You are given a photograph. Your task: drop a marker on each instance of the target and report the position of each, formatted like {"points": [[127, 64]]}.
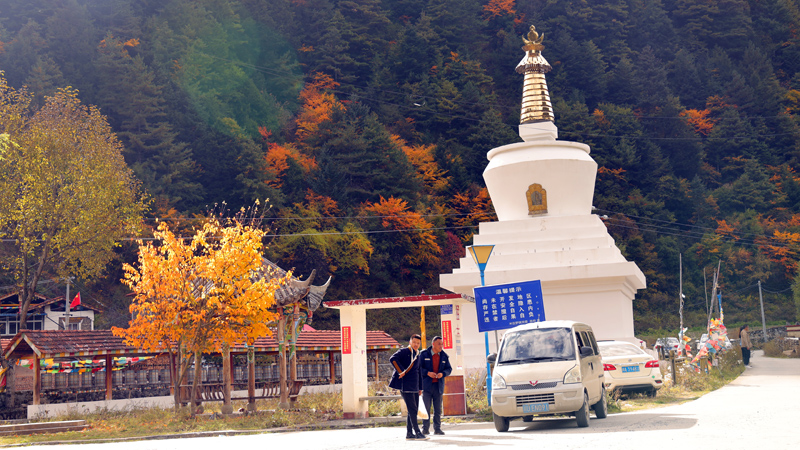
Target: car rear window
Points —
{"points": [[620, 349]]}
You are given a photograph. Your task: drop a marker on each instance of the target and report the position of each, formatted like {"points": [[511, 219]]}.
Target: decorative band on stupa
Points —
{"points": [[536, 106]]}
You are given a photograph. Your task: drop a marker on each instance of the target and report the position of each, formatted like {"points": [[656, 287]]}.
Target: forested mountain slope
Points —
{"points": [[366, 124]]}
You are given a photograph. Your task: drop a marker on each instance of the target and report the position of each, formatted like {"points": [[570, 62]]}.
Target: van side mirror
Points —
{"points": [[586, 351], [491, 358]]}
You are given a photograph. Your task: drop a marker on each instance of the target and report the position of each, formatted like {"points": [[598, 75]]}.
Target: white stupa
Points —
{"points": [[542, 191]]}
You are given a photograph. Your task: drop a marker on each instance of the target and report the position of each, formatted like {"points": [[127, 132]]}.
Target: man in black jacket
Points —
{"points": [[435, 366], [406, 378]]}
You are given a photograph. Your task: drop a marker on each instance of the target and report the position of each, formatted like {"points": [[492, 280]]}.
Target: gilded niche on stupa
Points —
{"points": [[536, 106], [537, 200]]}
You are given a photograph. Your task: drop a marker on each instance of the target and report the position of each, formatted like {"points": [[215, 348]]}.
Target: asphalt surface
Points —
{"points": [[760, 409]]}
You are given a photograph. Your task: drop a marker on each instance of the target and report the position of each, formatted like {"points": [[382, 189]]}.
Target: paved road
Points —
{"points": [[759, 410]]}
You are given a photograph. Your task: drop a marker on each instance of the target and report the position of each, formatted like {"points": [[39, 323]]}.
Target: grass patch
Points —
{"points": [[690, 385], [108, 424]]}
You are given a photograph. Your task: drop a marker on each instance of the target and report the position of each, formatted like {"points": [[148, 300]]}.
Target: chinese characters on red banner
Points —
{"points": [[447, 334], [346, 341]]}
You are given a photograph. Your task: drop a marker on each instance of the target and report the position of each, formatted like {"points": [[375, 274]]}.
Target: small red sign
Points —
{"points": [[346, 341], [447, 334]]}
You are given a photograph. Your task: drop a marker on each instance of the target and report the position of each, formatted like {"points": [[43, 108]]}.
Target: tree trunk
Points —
{"points": [[180, 374], [251, 379], [227, 408], [197, 407]]}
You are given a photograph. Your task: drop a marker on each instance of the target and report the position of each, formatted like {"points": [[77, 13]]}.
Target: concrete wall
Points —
{"points": [[61, 409]]}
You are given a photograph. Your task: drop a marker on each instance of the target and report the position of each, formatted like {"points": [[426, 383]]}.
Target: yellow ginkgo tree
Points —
{"points": [[200, 294], [66, 195]]}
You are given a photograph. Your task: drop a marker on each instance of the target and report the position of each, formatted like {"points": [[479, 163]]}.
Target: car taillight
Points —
{"points": [[609, 367], [653, 363]]}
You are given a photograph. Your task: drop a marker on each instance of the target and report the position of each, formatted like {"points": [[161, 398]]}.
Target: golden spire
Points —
{"points": [[536, 105]]}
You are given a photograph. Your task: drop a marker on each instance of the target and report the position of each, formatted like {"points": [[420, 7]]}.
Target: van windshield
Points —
{"points": [[543, 344]]}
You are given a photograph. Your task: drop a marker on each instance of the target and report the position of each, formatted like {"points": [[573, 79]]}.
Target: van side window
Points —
{"points": [[594, 343], [588, 342], [579, 340]]}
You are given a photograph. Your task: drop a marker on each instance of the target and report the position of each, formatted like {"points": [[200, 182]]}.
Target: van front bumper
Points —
{"points": [[561, 399]]}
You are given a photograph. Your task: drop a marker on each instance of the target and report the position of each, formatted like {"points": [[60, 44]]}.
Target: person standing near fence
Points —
{"points": [[744, 336], [435, 366], [407, 379]]}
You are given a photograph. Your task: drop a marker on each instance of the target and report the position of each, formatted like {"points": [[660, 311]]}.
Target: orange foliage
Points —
{"points": [[202, 293], [2, 47], [306, 48], [277, 161], [723, 229], [317, 104], [600, 117], [415, 236], [131, 43], [324, 205], [619, 174], [699, 120], [422, 158], [783, 248], [471, 209], [497, 8], [716, 103]]}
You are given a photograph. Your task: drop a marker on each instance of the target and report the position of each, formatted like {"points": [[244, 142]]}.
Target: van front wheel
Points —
{"points": [[500, 423], [582, 415]]}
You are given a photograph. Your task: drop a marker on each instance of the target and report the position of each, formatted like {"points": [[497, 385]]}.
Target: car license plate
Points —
{"points": [[536, 408], [629, 369]]}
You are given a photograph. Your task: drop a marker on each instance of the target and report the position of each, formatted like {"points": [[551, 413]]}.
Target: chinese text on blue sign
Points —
{"points": [[507, 305]]}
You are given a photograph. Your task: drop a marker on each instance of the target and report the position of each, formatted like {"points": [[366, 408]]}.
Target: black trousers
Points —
{"points": [[434, 397], [412, 405], [746, 356]]}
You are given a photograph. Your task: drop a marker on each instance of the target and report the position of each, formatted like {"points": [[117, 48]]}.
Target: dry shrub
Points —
{"points": [[382, 408], [475, 387], [776, 348]]}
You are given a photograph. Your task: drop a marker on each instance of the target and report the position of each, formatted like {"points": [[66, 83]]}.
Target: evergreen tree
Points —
{"points": [[651, 81], [358, 161], [134, 103]]}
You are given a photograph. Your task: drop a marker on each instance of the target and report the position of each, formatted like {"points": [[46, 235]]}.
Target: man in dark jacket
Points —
{"points": [[435, 366], [406, 378]]}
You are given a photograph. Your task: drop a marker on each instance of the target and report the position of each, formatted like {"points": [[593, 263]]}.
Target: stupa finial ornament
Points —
{"points": [[536, 106]]}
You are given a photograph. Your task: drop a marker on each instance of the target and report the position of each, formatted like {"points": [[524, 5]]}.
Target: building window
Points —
{"points": [[9, 325]]}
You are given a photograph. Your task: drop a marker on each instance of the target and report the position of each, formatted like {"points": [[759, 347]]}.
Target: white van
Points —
{"points": [[547, 368]]}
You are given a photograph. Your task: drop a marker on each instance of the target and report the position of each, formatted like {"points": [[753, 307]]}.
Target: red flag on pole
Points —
{"points": [[75, 301]]}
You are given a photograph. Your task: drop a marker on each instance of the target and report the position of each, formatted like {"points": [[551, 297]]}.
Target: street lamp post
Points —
{"points": [[480, 254]]}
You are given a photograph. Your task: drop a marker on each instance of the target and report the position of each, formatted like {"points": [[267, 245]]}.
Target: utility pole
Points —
{"points": [[680, 310], [66, 308], [763, 321]]}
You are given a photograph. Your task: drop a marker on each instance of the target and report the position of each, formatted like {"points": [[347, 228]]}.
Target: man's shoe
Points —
{"points": [[439, 432], [426, 432], [410, 437], [421, 437]]}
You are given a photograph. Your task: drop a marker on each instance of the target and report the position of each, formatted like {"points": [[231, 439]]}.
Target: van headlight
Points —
{"points": [[498, 382], [573, 375]]}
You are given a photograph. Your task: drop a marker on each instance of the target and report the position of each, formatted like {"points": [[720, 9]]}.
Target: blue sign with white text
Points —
{"points": [[507, 305]]}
